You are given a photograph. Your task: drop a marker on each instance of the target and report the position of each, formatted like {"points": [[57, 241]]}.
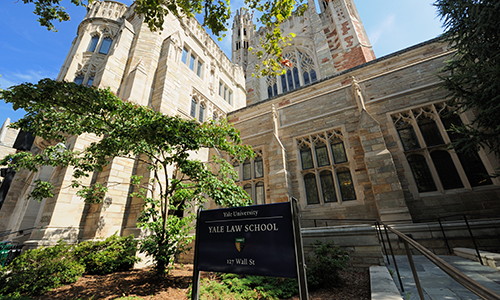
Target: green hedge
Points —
{"points": [[37, 271]]}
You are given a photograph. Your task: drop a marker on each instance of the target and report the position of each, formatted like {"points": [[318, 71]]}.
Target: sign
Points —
{"points": [[253, 240]]}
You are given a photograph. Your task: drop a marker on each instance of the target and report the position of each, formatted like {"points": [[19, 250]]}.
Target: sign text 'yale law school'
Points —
{"points": [[254, 240]]}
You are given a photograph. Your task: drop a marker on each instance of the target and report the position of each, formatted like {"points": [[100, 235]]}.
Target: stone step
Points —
{"points": [[382, 285], [488, 258]]}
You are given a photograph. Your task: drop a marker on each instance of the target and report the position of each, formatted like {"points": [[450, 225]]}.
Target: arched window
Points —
{"points": [[446, 170], [79, 79], [327, 186], [105, 45], [299, 71], [421, 173], [311, 188], [258, 167], [260, 193], [248, 188], [471, 162], [90, 81], [93, 43], [194, 104], [330, 162], [252, 177], [201, 114], [322, 155], [407, 135], [345, 183], [247, 170], [430, 132], [306, 158]]}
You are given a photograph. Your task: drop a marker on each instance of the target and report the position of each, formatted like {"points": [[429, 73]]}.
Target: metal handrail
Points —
{"points": [[461, 278]]}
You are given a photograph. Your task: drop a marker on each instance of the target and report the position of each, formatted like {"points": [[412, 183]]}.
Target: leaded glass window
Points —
{"points": [[105, 45], [328, 186], [258, 167], [247, 170], [345, 183], [327, 177], [421, 173], [199, 68], [93, 43], [251, 176], [299, 70], [446, 170], [260, 194], [306, 158], [184, 55], [248, 188], [79, 79], [194, 104], [90, 81], [322, 155], [408, 138], [430, 132], [443, 169], [201, 115], [311, 189], [338, 151], [191, 62]]}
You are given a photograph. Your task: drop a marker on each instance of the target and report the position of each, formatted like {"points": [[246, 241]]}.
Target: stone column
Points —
{"points": [[384, 179]]}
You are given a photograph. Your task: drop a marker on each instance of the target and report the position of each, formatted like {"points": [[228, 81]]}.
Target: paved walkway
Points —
{"points": [[436, 284]]}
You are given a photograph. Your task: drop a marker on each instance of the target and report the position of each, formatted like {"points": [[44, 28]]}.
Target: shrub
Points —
{"points": [[323, 266], [111, 255], [242, 287], [39, 270]]}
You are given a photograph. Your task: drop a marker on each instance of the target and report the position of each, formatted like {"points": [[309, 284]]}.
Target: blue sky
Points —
{"points": [[29, 52]]}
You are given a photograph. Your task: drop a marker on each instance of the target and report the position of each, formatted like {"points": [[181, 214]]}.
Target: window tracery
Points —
{"points": [[251, 175], [299, 70], [325, 168], [425, 137]]}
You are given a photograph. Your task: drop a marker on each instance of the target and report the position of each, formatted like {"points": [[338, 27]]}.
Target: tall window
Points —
{"points": [[194, 105], [425, 138], [251, 177], [301, 71], [197, 109], [79, 79], [105, 45], [325, 168], [93, 43], [90, 81], [184, 55], [192, 61], [225, 92]]}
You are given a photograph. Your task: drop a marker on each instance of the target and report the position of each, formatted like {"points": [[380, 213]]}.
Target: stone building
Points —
{"points": [[348, 135]]}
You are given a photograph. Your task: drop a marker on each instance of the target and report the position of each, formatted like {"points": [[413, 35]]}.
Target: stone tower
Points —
{"points": [[243, 32], [325, 44]]}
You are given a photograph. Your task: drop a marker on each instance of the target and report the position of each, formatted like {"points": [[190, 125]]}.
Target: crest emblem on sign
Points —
{"points": [[240, 244]]}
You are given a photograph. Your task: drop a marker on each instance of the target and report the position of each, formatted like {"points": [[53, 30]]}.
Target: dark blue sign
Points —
{"points": [[253, 240]]}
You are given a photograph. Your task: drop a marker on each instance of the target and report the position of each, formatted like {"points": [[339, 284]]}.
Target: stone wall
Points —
{"points": [[360, 104]]}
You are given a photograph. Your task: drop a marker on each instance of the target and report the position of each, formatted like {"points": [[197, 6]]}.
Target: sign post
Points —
{"points": [[254, 240]]}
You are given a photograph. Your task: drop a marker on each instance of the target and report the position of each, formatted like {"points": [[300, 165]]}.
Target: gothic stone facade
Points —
{"points": [[368, 143], [348, 135]]}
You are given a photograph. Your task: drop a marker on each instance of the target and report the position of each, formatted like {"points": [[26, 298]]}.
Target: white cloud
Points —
{"points": [[14, 78], [387, 25]]}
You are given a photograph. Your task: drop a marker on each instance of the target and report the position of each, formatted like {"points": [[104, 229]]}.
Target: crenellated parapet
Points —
{"points": [[107, 9]]}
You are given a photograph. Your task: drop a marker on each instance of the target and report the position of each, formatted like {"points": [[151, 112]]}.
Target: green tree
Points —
{"points": [[58, 110], [216, 15], [472, 76]]}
